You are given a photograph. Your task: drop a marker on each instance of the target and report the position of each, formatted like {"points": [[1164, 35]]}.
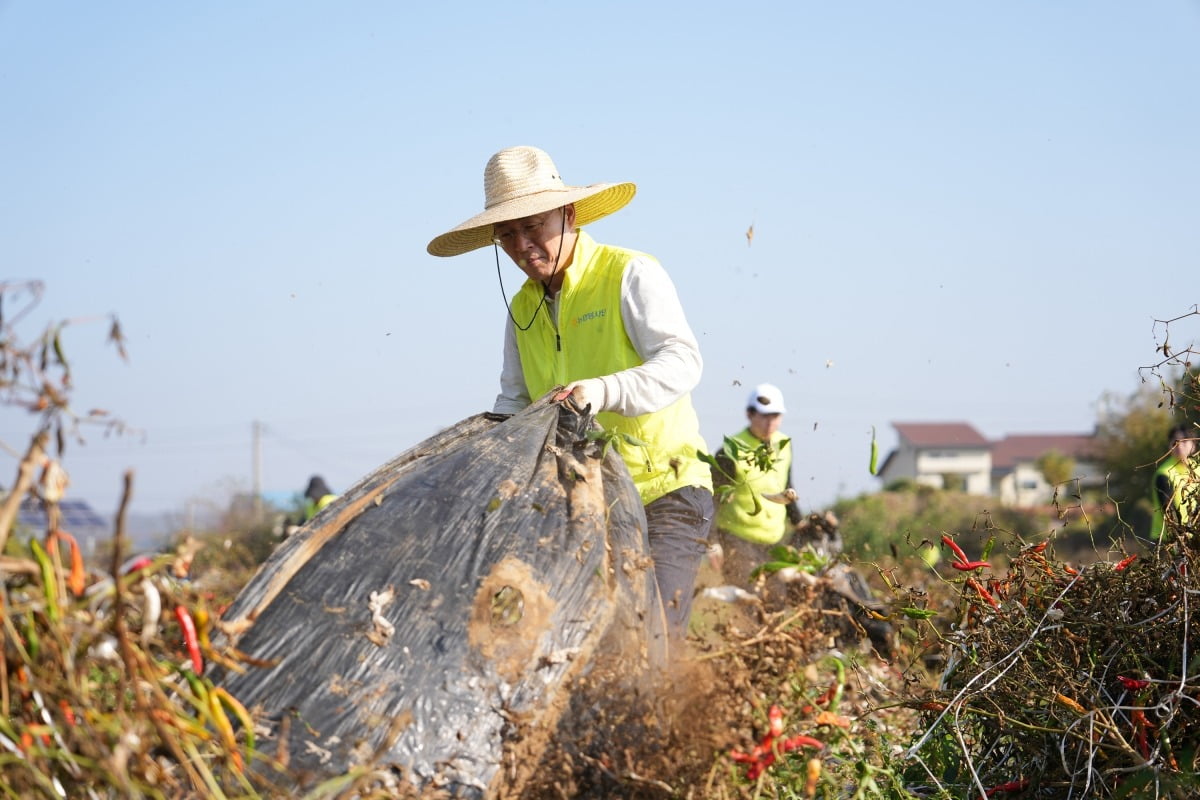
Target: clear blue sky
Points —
{"points": [[962, 211]]}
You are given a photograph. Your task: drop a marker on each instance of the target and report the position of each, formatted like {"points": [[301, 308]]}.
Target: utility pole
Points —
{"points": [[257, 428]]}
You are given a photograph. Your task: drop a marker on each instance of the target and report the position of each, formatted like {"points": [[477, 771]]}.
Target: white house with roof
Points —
{"points": [[940, 454], [956, 455], [1016, 479]]}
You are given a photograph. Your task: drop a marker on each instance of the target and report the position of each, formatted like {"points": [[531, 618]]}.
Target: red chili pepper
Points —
{"points": [[761, 757], [757, 768], [760, 751], [953, 545], [140, 562], [775, 719], [796, 742], [787, 745], [808, 708], [1132, 684], [188, 626], [765, 752], [982, 592], [1011, 786], [967, 566], [760, 766], [1140, 724], [1125, 562]]}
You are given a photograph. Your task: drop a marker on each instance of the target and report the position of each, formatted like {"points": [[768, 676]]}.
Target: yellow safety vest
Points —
{"points": [[1185, 483], [311, 508], [590, 341], [735, 512]]}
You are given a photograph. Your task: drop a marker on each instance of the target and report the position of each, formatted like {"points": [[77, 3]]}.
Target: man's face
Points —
{"points": [[763, 426], [1183, 448], [533, 243]]}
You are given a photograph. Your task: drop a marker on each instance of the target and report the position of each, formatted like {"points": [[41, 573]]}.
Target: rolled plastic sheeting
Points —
{"points": [[438, 612]]}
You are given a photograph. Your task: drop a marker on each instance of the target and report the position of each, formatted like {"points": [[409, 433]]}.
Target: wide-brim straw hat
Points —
{"points": [[522, 181]]}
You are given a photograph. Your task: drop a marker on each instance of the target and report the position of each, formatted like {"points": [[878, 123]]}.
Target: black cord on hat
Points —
{"points": [[545, 284]]}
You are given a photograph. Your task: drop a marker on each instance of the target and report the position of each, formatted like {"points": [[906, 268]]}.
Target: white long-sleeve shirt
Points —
{"points": [[657, 328]]}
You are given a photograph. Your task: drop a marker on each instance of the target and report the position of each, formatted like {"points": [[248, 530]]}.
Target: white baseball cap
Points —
{"points": [[766, 399]]}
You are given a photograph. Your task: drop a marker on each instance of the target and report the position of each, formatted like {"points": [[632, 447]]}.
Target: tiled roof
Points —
{"points": [[1014, 448], [940, 434]]}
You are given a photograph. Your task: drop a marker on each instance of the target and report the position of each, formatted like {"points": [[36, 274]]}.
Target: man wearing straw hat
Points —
{"points": [[606, 323]]}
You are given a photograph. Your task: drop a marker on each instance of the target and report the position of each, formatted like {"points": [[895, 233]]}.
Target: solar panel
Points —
{"points": [[76, 516]]}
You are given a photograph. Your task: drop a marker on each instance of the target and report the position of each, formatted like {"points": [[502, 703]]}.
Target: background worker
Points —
{"points": [[605, 322], [316, 497], [1176, 482], [759, 506]]}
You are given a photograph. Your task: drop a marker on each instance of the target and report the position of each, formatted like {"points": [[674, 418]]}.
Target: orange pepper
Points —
{"points": [[1063, 700], [983, 593]]}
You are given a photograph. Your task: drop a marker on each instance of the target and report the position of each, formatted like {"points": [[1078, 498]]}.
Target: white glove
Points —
{"points": [[589, 392]]}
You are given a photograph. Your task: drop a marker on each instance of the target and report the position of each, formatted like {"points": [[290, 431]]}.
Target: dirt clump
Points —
{"points": [[673, 735]]}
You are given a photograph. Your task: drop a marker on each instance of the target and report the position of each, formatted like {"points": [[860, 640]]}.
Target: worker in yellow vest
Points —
{"points": [[316, 496], [1176, 483], [759, 505], [606, 323]]}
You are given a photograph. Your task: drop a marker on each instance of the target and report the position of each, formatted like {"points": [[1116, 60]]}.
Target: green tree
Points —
{"points": [[1131, 439], [1055, 467], [1185, 399]]}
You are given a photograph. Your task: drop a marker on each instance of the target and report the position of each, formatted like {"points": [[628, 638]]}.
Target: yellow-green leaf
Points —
{"points": [[874, 465], [918, 613]]}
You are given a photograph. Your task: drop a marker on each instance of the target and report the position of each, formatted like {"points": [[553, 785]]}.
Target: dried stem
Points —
{"points": [[33, 459]]}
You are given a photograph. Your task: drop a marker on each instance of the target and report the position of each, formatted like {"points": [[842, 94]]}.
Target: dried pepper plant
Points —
{"points": [[1076, 683], [1065, 682], [102, 694], [36, 376]]}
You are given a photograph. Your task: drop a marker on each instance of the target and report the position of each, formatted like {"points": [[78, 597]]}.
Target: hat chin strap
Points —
{"points": [[546, 293]]}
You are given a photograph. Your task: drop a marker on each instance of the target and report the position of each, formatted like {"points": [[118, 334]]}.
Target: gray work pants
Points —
{"points": [[678, 525]]}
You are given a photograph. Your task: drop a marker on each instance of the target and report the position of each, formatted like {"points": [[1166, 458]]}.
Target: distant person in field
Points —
{"points": [[316, 497], [606, 323], [1177, 482], [760, 507]]}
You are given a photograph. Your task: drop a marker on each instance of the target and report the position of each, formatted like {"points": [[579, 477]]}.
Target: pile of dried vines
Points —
{"points": [[1068, 683]]}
